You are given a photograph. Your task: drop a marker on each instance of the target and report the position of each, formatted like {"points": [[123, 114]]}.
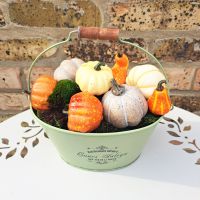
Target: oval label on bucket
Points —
{"points": [[101, 154]]}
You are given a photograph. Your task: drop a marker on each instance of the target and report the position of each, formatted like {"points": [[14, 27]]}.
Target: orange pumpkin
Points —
{"points": [[159, 103], [85, 112], [41, 90], [120, 68]]}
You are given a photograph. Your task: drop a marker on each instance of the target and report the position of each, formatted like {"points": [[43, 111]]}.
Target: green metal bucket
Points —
{"points": [[97, 151]]}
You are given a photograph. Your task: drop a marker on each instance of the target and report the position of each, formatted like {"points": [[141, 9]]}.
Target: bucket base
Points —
{"points": [[101, 170]]}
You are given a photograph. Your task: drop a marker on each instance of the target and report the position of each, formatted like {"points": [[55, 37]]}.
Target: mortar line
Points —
{"points": [[54, 61], [11, 90], [23, 79], [193, 79], [183, 93], [12, 112]]}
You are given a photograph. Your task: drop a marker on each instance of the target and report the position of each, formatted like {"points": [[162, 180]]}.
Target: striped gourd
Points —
{"points": [[159, 103]]}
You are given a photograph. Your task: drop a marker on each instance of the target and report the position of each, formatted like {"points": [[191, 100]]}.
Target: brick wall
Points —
{"points": [[169, 29]]}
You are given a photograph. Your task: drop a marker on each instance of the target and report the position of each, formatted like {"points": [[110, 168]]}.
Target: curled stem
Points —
{"points": [[117, 90], [27, 138], [173, 121], [97, 67], [160, 85], [195, 145], [119, 54], [33, 126], [4, 147]]}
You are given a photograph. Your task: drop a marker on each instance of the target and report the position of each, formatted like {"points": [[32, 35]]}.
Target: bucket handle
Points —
{"points": [[44, 51], [100, 34]]}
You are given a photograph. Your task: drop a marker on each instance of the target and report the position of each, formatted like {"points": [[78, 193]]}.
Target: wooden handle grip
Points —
{"points": [[97, 33]]}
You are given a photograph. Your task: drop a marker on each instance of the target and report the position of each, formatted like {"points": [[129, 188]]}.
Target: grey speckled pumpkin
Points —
{"points": [[67, 69], [124, 106]]}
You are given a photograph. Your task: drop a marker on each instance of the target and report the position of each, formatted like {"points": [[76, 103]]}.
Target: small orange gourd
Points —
{"points": [[85, 112], [159, 103], [120, 68], [41, 90]]}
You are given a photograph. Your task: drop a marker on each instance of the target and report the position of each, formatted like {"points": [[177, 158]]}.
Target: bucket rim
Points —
{"points": [[64, 131]]}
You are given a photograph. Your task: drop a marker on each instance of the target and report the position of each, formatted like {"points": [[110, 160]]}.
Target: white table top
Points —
{"points": [[169, 167]]}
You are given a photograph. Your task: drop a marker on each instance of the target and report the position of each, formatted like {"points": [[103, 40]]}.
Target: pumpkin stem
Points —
{"points": [[160, 85], [119, 54], [97, 67], [117, 90]]}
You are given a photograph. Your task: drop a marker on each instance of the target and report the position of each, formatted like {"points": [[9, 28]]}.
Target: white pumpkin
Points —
{"points": [[94, 77], [146, 77], [67, 69], [124, 106]]}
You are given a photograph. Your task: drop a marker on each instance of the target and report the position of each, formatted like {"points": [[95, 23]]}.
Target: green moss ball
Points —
{"points": [[62, 93]]}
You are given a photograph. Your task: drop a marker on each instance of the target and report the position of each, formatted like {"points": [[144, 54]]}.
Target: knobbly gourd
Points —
{"points": [[62, 93], [159, 103], [85, 112], [124, 105], [94, 77], [67, 69], [146, 77], [41, 90], [120, 68]]}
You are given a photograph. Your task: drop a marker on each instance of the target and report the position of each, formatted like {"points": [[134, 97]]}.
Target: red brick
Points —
{"points": [[2, 20], [180, 78], [42, 13], [4, 117], [106, 50], [177, 49], [10, 78], [196, 85], [24, 49], [151, 15], [190, 103], [13, 101], [38, 71]]}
